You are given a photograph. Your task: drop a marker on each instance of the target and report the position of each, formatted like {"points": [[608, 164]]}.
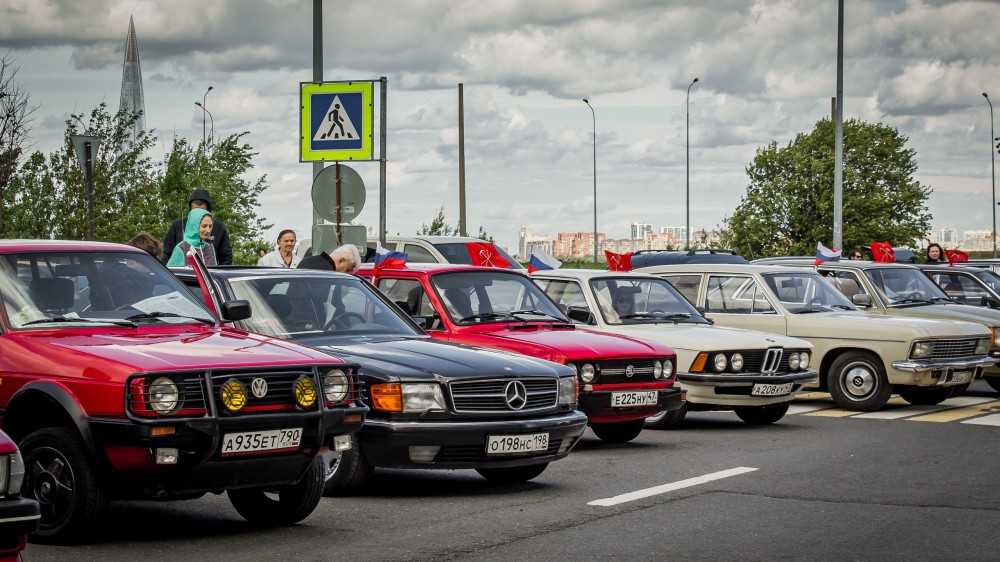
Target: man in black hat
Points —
{"points": [[220, 235]]}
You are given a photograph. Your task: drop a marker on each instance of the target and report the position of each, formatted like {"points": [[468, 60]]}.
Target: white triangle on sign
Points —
{"points": [[337, 125]]}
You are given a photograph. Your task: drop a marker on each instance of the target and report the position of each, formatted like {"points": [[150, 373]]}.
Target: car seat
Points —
{"points": [[281, 306], [52, 294], [459, 302]]}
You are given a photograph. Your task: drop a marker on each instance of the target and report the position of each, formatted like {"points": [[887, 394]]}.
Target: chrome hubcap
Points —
{"points": [[859, 381]]}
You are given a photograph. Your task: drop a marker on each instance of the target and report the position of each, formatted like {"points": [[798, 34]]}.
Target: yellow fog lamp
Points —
{"points": [[305, 391], [234, 395]]}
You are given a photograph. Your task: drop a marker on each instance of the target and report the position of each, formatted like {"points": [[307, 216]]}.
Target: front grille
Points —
{"points": [[615, 371], [483, 396], [954, 348], [477, 453]]}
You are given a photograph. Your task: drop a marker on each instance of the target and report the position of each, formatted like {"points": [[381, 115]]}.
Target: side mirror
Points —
{"points": [[861, 299], [581, 314], [991, 302], [233, 311], [426, 322]]}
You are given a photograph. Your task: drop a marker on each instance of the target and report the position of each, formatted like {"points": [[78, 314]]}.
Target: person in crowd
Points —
{"points": [[145, 241], [855, 255], [345, 259], [200, 199], [935, 254], [196, 234], [284, 256]]}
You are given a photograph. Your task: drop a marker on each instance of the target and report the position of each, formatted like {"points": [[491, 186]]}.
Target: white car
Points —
{"points": [[756, 375], [425, 249]]}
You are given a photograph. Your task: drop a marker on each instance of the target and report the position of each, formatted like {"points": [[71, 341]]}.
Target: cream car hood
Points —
{"points": [[854, 326], [705, 338]]}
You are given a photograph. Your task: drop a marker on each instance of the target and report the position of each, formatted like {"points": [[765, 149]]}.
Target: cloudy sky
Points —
{"points": [[767, 71]]}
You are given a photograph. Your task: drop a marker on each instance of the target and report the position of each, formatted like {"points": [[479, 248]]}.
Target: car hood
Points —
{"points": [[950, 312], [561, 345], [114, 354], [877, 327], [422, 359], [706, 338]]}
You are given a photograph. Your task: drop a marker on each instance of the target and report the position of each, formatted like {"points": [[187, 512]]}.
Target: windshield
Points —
{"points": [[990, 278], [458, 252], [42, 290], [804, 292], [291, 307], [627, 300], [905, 286], [494, 296]]}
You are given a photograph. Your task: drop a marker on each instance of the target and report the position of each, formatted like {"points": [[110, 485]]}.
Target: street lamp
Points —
{"points": [[203, 106], [594, 115], [993, 161], [687, 168]]}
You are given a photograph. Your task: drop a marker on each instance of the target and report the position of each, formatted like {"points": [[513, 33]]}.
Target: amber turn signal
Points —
{"points": [[387, 397], [699, 362]]}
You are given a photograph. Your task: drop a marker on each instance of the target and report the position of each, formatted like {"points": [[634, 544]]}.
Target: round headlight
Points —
{"points": [[304, 391], [164, 396], [736, 362], [668, 369], [719, 362], [587, 372], [657, 369], [576, 370], [335, 385], [804, 358], [793, 361], [233, 395]]}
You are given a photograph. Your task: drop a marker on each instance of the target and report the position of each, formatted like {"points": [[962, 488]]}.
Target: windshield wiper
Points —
{"points": [[943, 299], [62, 319], [536, 313], [672, 316], [147, 315], [844, 307], [811, 310], [911, 301], [488, 316]]}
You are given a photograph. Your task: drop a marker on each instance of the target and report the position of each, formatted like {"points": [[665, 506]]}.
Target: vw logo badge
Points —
{"points": [[516, 395], [630, 371], [259, 387]]}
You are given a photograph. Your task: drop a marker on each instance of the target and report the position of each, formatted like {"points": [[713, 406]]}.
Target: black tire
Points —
{"points": [[281, 505], [668, 419], [925, 396], [348, 473], [857, 382], [60, 475], [960, 389], [994, 382], [619, 432], [513, 474], [762, 415]]}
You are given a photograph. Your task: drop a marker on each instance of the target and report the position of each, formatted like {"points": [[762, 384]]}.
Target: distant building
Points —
{"points": [[527, 243], [132, 100], [640, 230], [577, 245], [977, 240], [679, 233]]}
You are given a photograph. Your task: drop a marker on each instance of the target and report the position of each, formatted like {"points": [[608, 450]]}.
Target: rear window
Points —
{"points": [[458, 252]]}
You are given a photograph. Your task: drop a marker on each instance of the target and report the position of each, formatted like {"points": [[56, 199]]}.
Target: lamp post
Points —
{"points": [[594, 116], [687, 168], [203, 108], [993, 162]]}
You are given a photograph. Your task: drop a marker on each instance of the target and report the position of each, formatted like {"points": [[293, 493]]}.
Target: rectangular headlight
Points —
{"points": [[983, 347], [420, 397], [921, 350], [996, 334], [567, 390]]}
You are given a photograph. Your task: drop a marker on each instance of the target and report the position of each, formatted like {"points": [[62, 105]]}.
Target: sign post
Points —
{"points": [[86, 147]]}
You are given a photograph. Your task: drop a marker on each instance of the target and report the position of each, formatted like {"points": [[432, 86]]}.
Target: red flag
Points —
{"points": [[485, 253], [956, 256], [619, 262], [882, 252]]}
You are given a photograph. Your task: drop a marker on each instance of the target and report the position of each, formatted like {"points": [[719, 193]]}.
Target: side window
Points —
{"points": [[961, 288], [408, 294], [735, 295], [566, 294], [417, 254], [846, 282], [687, 285]]}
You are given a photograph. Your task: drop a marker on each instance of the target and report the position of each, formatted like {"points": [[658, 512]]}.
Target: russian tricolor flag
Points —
{"points": [[540, 260], [384, 259], [826, 254]]}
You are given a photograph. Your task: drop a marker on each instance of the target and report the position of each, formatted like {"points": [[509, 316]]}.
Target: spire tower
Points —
{"points": [[132, 99]]}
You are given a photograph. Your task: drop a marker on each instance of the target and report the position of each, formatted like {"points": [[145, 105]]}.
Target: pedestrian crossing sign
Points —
{"points": [[336, 121]]}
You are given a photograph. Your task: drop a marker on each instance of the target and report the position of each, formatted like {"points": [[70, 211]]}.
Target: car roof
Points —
{"points": [[842, 264], [431, 239], [238, 271], [671, 257], [77, 245], [586, 274], [945, 267], [722, 268], [429, 268]]}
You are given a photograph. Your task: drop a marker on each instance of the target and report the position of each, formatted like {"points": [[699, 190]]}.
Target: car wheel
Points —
{"points": [[960, 389], [857, 381], [60, 475], [925, 396], [994, 382], [281, 505], [762, 415], [668, 419], [347, 472], [512, 475], [620, 432]]}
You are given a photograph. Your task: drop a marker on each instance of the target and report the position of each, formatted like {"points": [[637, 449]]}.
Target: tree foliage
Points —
{"points": [[15, 121], [788, 206], [439, 227]]}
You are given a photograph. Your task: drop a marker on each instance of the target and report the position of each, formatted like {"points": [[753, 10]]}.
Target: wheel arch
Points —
{"points": [[41, 404], [833, 354]]}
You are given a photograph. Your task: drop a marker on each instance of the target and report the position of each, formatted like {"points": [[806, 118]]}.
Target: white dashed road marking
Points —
{"points": [[662, 489]]}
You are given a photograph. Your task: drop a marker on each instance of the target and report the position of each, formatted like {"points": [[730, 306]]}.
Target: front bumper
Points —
{"points": [[18, 516], [387, 443], [944, 370], [597, 404], [736, 390]]}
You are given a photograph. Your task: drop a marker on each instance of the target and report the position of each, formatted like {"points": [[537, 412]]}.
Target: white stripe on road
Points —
{"points": [[993, 419], [655, 490], [803, 408], [907, 411]]}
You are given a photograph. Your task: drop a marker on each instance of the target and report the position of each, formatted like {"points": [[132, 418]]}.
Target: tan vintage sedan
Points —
{"points": [[862, 358]]}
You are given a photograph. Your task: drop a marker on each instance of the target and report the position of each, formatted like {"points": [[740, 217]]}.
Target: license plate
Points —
{"points": [[514, 444], [620, 399], [960, 377], [771, 389], [251, 442]]}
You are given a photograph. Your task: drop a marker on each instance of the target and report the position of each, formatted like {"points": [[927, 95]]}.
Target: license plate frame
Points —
{"points": [[771, 390], [523, 444], [960, 377], [634, 398], [260, 442]]}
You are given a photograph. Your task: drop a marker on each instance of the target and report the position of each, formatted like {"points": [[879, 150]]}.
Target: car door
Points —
{"points": [[740, 301], [960, 286]]}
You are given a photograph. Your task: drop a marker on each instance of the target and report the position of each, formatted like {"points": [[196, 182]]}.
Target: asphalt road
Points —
{"points": [[821, 484]]}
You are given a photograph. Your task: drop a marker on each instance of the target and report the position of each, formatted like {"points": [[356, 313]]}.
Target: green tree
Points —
{"points": [[788, 206], [439, 226], [15, 121]]}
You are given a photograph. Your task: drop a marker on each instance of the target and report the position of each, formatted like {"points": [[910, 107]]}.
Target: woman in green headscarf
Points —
{"points": [[197, 231]]}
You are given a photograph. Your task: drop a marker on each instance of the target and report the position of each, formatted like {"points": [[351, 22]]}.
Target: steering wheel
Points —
{"points": [[343, 320]]}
